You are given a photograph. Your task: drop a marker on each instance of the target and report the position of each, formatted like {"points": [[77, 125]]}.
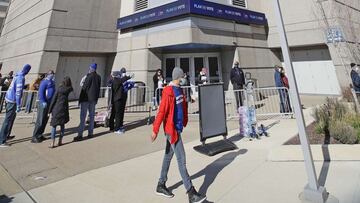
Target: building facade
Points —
{"points": [[145, 35]]}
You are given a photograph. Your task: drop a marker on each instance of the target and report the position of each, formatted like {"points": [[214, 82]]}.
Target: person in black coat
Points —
{"points": [[90, 92], [59, 109], [118, 101], [237, 78]]}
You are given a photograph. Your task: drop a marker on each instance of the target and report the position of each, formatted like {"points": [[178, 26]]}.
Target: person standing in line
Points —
{"points": [[203, 79], [118, 101], [46, 93], [355, 78], [173, 112], [156, 78], [285, 83], [90, 92], [5, 83], [13, 102], [59, 109], [281, 89], [34, 86], [237, 78]]}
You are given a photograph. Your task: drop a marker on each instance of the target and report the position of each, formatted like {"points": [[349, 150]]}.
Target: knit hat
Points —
{"points": [[122, 70], [177, 73], [116, 74], [93, 66], [26, 69]]}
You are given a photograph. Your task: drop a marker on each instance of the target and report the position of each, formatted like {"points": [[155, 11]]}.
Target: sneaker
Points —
{"points": [[90, 136], [195, 197], [162, 190], [35, 140], [10, 137], [122, 130], [4, 145], [119, 132], [77, 139]]}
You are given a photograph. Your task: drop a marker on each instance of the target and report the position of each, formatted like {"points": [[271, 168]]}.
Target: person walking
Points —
{"points": [[59, 110], [33, 88], [237, 79], [90, 92], [46, 93], [118, 101], [173, 112], [13, 101]]}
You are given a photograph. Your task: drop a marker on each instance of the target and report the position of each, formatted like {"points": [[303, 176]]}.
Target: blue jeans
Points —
{"points": [[53, 132], [29, 102], [84, 108], [41, 120], [8, 122], [285, 106], [178, 149]]}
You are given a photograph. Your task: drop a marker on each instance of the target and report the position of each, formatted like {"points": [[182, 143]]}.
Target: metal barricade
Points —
{"points": [[191, 99], [139, 100], [28, 106], [269, 102]]}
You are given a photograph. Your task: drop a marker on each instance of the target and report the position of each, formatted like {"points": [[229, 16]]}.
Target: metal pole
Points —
{"points": [[312, 191]]}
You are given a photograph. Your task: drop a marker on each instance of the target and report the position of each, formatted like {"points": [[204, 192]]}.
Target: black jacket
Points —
{"points": [[237, 77], [90, 90], [117, 88], [59, 107]]}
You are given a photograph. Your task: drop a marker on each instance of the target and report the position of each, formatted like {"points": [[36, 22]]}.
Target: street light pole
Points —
{"points": [[312, 191]]}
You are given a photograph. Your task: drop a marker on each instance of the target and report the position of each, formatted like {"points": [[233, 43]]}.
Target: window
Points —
{"points": [[141, 4], [240, 3]]}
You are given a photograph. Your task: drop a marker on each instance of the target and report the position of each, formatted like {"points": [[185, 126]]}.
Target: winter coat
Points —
{"points": [[166, 114], [355, 80], [90, 90], [117, 88], [46, 91], [278, 80], [59, 107], [15, 91], [237, 78]]}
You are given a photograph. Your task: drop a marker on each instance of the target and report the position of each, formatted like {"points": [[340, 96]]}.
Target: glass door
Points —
{"points": [[170, 64], [214, 70]]}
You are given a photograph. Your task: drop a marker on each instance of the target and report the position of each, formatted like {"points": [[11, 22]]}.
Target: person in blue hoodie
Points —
{"points": [[46, 93], [13, 104]]}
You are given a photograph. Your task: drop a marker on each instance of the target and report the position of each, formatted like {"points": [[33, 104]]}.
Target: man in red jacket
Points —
{"points": [[173, 114]]}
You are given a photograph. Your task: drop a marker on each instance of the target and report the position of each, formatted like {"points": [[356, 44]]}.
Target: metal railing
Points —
{"points": [[28, 106], [269, 102]]}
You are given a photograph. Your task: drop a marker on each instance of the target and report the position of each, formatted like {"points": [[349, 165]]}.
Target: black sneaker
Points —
{"points": [[10, 137], [195, 197], [162, 190], [35, 140], [77, 139]]}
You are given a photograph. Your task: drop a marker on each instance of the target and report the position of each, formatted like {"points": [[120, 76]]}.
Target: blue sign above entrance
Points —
{"points": [[199, 7]]}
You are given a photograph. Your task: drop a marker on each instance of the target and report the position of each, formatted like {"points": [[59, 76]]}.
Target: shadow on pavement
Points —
{"points": [[69, 131], [212, 170], [326, 165], [5, 199]]}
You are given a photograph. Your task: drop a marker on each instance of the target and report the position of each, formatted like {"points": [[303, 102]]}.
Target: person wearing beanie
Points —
{"points": [[45, 95], [237, 78], [90, 92], [13, 104], [118, 101], [173, 113]]}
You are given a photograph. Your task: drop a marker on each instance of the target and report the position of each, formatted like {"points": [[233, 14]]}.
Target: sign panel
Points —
{"points": [[186, 7]]}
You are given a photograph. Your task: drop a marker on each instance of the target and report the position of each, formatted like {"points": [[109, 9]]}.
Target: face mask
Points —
{"points": [[123, 75], [51, 77], [182, 82]]}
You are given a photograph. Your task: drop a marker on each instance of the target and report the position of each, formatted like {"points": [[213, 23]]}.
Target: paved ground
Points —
{"points": [[112, 168]]}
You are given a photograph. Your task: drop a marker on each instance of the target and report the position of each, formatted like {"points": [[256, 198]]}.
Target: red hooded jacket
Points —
{"points": [[166, 114]]}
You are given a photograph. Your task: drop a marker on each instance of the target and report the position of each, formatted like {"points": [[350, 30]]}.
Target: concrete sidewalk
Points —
{"points": [[245, 175]]}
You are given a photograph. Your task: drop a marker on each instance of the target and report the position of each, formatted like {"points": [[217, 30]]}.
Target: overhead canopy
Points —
{"points": [[187, 7]]}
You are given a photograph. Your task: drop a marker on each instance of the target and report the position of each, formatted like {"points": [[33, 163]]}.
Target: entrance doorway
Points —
{"points": [[192, 63]]}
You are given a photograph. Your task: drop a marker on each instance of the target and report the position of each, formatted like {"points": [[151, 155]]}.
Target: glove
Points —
{"points": [[18, 109]]}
